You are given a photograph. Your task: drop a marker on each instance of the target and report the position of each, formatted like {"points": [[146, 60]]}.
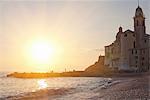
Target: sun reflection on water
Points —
{"points": [[42, 84]]}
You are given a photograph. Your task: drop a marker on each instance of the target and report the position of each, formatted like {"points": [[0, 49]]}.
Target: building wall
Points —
{"points": [[107, 60], [127, 43], [149, 52]]}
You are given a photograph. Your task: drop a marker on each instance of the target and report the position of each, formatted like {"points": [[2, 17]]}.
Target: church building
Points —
{"points": [[131, 49]]}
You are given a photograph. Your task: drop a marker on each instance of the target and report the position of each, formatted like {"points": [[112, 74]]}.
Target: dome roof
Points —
{"points": [[139, 11], [120, 29]]}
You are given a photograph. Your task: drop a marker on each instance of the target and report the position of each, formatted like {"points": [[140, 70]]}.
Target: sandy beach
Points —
{"points": [[129, 88]]}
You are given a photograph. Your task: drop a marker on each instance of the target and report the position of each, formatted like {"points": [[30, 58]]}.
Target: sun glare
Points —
{"points": [[42, 52], [42, 84]]}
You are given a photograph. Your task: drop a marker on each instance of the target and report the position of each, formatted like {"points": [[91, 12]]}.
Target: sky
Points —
{"points": [[77, 30]]}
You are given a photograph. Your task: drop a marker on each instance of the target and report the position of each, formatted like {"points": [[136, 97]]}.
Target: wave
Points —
{"points": [[3, 74], [109, 83], [44, 93]]}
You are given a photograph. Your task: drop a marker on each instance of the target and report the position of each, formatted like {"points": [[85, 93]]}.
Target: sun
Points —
{"points": [[42, 54], [42, 51]]}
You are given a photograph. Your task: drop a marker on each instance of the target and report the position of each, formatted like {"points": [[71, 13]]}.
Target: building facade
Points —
{"points": [[131, 49]]}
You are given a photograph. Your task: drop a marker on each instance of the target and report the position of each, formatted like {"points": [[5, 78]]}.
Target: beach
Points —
{"points": [[123, 88], [131, 88], [127, 87]]}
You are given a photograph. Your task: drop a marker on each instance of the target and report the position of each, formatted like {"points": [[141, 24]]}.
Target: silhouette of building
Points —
{"points": [[131, 49]]}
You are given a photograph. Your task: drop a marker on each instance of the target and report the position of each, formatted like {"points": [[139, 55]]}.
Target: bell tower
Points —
{"points": [[139, 25]]}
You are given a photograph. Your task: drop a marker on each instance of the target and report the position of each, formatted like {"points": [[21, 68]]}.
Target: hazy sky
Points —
{"points": [[79, 28]]}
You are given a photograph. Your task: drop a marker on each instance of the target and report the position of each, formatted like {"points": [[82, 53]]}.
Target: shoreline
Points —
{"points": [[120, 88]]}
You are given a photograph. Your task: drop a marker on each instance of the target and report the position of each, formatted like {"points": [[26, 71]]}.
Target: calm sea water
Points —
{"points": [[17, 86]]}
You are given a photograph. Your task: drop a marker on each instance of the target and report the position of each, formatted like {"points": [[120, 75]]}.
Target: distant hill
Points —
{"points": [[98, 69]]}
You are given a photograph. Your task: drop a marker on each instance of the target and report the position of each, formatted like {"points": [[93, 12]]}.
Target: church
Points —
{"points": [[131, 49]]}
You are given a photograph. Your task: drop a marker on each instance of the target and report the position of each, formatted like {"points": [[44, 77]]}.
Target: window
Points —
{"points": [[145, 41], [125, 35], [136, 62], [143, 23], [143, 51], [136, 51], [136, 57], [132, 51], [142, 63], [142, 58], [134, 44]]}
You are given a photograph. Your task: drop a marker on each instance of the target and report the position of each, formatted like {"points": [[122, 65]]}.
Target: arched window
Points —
{"points": [[134, 44], [143, 23]]}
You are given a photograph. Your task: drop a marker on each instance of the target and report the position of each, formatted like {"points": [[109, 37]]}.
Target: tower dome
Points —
{"points": [[139, 11], [120, 29]]}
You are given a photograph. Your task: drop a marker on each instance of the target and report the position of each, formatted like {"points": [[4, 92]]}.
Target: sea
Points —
{"points": [[78, 87]]}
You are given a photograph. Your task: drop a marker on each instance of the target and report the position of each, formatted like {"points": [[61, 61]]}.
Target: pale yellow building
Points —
{"points": [[131, 49]]}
